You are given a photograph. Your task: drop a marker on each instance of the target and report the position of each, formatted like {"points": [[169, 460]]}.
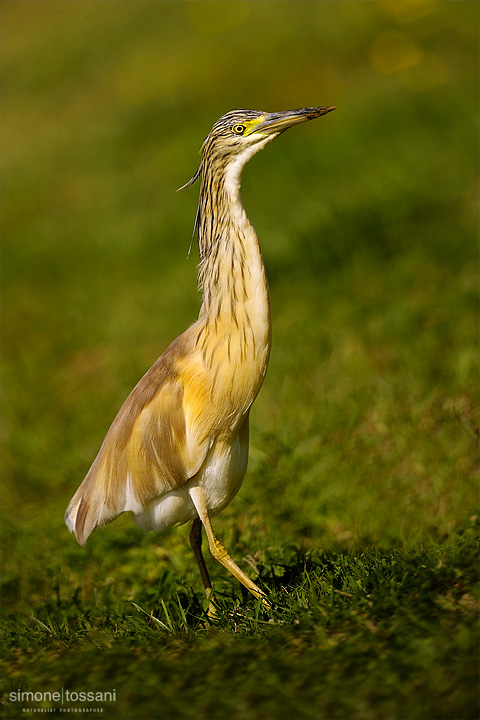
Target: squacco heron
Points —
{"points": [[178, 449]]}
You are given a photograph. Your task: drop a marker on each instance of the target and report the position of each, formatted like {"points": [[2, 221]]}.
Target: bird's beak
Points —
{"points": [[274, 123]]}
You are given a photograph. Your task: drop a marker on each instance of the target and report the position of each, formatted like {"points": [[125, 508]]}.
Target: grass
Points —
{"points": [[351, 634], [359, 512]]}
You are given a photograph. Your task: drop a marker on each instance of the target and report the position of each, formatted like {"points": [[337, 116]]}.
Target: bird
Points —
{"points": [[177, 450]]}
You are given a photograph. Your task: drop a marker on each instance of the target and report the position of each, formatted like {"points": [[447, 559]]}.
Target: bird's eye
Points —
{"points": [[238, 129]]}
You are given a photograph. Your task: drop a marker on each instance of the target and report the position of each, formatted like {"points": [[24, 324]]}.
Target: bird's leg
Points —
{"points": [[216, 548], [195, 538], [196, 544]]}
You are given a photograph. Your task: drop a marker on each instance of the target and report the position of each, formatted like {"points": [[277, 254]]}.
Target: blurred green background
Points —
{"points": [[366, 429]]}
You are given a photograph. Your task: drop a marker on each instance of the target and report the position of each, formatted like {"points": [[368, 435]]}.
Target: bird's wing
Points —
{"points": [[158, 440]]}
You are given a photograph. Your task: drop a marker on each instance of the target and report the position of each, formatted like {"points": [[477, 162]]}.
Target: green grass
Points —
{"points": [[350, 635], [359, 511]]}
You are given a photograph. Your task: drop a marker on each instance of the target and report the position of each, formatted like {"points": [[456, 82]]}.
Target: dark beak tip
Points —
{"points": [[319, 111]]}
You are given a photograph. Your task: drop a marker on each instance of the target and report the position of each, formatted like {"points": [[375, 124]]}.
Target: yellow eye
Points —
{"points": [[238, 129]]}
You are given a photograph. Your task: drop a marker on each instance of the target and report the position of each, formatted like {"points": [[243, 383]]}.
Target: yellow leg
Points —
{"points": [[218, 551]]}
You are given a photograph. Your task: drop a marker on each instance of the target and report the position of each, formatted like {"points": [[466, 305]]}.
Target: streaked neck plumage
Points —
{"points": [[235, 312]]}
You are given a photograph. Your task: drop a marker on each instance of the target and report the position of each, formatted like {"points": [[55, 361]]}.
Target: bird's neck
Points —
{"points": [[236, 307], [232, 273]]}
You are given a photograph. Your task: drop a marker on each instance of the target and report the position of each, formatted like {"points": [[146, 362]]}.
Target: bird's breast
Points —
{"points": [[235, 348], [234, 327]]}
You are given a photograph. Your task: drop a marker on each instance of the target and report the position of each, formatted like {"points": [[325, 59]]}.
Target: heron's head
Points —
{"points": [[239, 134]]}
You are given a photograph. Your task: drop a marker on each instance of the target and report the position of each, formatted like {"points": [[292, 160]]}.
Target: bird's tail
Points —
{"points": [[94, 504], [83, 514]]}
